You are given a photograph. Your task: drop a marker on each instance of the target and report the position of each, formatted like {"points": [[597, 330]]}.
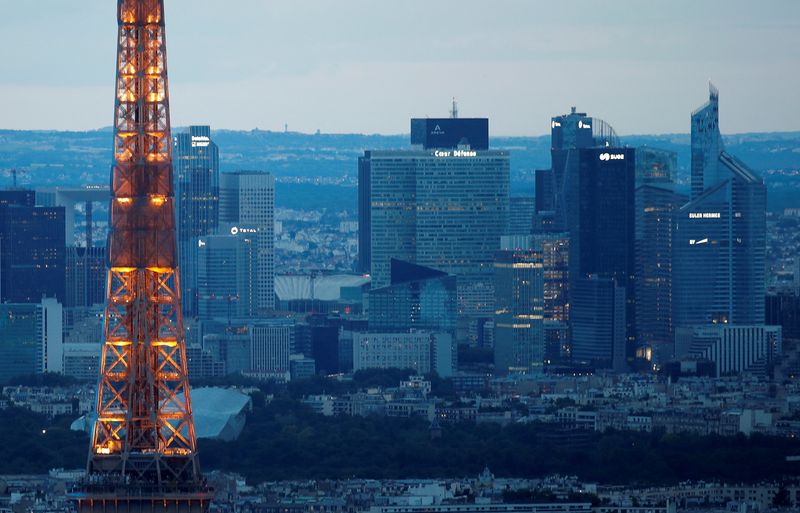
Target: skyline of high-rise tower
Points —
{"points": [[569, 133], [442, 208], [248, 197], [196, 174], [143, 452], [656, 203], [706, 144], [519, 341], [720, 235]]}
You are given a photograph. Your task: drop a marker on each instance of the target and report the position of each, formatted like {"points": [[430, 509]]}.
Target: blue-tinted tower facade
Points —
{"points": [[569, 134], [656, 204], [599, 323], [439, 207], [519, 341], [21, 341], [196, 174], [32, 249], [426, 134], [364, 212], [601, 222], [85, 276], [418, 298], [227, 270], [720, 234], [588, 199], [521, 214]]}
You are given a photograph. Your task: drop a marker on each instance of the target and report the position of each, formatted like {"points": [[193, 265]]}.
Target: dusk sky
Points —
{"points": [[367, 66]]}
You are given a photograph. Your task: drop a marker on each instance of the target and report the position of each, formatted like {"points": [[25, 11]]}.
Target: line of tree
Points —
{"points": [[286, 440]]}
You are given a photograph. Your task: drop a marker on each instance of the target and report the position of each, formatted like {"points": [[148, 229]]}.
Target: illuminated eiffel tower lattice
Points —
{"points": [[143, 454]]}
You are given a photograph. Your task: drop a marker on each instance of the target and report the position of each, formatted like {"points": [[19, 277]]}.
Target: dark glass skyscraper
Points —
{"points": [[569, 134], [587, 198], [544, 215], [519, 344], [720, 235], [32, 250], [85, 276], [601, 221], [19, 197], [196, 172], [433, 133], [656, 203], [706, 145], [599, 323], [555, 257], [521, 211]]}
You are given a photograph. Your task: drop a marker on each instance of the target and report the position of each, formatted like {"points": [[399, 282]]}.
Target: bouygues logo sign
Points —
{"points": [[605, 157]]}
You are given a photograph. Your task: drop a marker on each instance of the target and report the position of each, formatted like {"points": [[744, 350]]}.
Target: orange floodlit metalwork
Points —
{"points": [[143, 440]]}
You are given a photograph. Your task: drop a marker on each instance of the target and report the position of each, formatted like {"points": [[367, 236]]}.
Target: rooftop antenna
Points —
{"points": [[454, 111]]}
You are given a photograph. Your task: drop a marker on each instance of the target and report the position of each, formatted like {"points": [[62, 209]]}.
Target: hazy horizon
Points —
{"points": [[175, 128], [358, 66]]}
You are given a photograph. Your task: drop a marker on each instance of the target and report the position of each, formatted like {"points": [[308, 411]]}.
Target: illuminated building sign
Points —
{"points": [[201, 243], [235, 230], [554, 124], [605, 157], [705, 215], [583, 125], [695, 242], [200, 141], [455, 153]]}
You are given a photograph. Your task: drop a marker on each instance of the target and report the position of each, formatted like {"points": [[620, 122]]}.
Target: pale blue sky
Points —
{"points": [[370, 65]]}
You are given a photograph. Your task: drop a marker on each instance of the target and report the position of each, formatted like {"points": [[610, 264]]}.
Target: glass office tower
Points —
{"points": [[519, 306], [32, 250], [569, 134], [227, 273], [720, 235], [196, 172], [248, 198], [521, 213], [601, 221], [599, 323], [419, 298], [656, 203], [31, 340], [440, 207]]}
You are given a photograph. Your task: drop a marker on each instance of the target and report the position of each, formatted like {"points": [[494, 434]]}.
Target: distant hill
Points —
{"points": [[50, 158]]}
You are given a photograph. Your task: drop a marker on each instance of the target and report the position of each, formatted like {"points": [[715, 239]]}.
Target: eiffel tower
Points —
{"points": [[143, 453]]}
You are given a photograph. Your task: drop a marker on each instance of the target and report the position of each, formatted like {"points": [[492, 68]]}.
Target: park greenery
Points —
{"points": [[285, 439]]}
